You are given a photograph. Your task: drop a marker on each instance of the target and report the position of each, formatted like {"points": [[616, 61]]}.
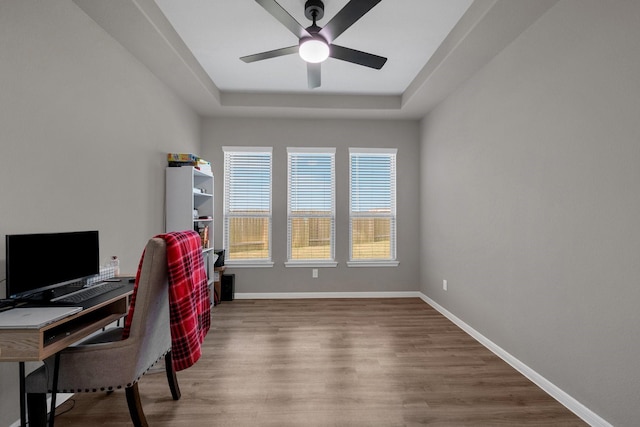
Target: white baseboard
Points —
{"points": [[565, 399], [318, 295]]}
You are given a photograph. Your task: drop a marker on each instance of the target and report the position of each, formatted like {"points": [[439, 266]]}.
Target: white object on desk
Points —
{"points": [[34, 317]]}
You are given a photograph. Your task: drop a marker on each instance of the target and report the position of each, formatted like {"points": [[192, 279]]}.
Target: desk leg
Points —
{"points": [[54, 389], [23, 396]]}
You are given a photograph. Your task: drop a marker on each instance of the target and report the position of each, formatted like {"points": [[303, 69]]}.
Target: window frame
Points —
{"points": [[321, 151], [392, 261], [227, 215]]}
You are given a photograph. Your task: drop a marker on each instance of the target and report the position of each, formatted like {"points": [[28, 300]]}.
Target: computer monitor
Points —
{"points": [[40, 262]]}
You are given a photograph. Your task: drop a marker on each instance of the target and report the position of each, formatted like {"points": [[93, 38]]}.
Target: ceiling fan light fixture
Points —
{"points": [[313, 50]]}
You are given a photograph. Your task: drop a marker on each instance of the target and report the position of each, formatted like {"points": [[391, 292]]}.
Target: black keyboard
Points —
{"points": [[89, 292]]}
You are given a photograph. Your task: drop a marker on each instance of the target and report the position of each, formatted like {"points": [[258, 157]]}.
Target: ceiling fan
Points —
{"points": [[315, 43]]}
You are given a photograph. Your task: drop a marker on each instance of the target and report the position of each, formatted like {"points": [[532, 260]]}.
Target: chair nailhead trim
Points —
{"points": [[111, 388]]}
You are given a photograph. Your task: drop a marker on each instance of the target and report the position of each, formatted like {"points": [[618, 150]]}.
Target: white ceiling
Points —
{"points": [[218, 32], [432, 46]]}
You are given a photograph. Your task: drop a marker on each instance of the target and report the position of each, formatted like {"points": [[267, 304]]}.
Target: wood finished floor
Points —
{"points": [[352, 362]]}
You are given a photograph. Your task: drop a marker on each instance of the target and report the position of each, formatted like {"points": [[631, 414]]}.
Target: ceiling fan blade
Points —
{"points": [[284, 17], [270, 54], [356, 56], [313, 75], [347, 16]]}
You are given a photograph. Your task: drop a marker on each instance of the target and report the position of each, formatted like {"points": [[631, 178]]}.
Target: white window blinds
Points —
{"points": [[247, 204], [372, 222], [311, 204]]}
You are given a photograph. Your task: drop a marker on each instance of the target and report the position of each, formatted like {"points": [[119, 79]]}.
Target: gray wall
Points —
{"points": [[84, 131], [522, 189], [531, 202], [281, 133]]}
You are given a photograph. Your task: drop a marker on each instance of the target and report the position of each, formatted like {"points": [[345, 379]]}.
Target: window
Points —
{"points": [[372, 218], [311, 206], [247, 205]]}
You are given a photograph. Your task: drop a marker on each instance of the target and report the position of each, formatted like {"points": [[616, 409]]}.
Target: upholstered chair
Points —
{"points": [[108, 362]]}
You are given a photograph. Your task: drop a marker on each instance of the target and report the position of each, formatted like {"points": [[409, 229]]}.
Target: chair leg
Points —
{"points": [[135, 406], [171, 376], [37, 409]]}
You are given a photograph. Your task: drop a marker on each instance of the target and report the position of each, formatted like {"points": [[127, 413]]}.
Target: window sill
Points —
{"points": [[248, 264], [372, 263], [310, 264]]}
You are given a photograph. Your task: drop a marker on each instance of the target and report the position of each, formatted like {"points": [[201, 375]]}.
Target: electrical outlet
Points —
{"points": [[444, 285], [314, 273]]}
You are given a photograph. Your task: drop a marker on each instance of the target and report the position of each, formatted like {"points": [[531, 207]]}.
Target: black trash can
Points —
{"points": [[227, 287]]}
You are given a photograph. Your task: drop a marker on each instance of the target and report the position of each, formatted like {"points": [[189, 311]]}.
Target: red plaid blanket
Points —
{"points": [[190, 309]]}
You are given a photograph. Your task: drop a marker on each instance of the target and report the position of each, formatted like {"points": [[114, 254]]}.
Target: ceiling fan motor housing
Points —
{"points": [[314, 10]]}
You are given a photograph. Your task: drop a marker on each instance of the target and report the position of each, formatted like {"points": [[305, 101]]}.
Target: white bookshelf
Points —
{"points": [[189, 189]]}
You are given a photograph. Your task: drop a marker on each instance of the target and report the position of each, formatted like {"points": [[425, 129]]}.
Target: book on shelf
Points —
{"points": [[203, 230], [186, 159], [180, 164], [182, 157]]}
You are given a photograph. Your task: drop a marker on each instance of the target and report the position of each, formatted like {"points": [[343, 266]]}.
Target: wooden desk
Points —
{"points": [[26, 345]]}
